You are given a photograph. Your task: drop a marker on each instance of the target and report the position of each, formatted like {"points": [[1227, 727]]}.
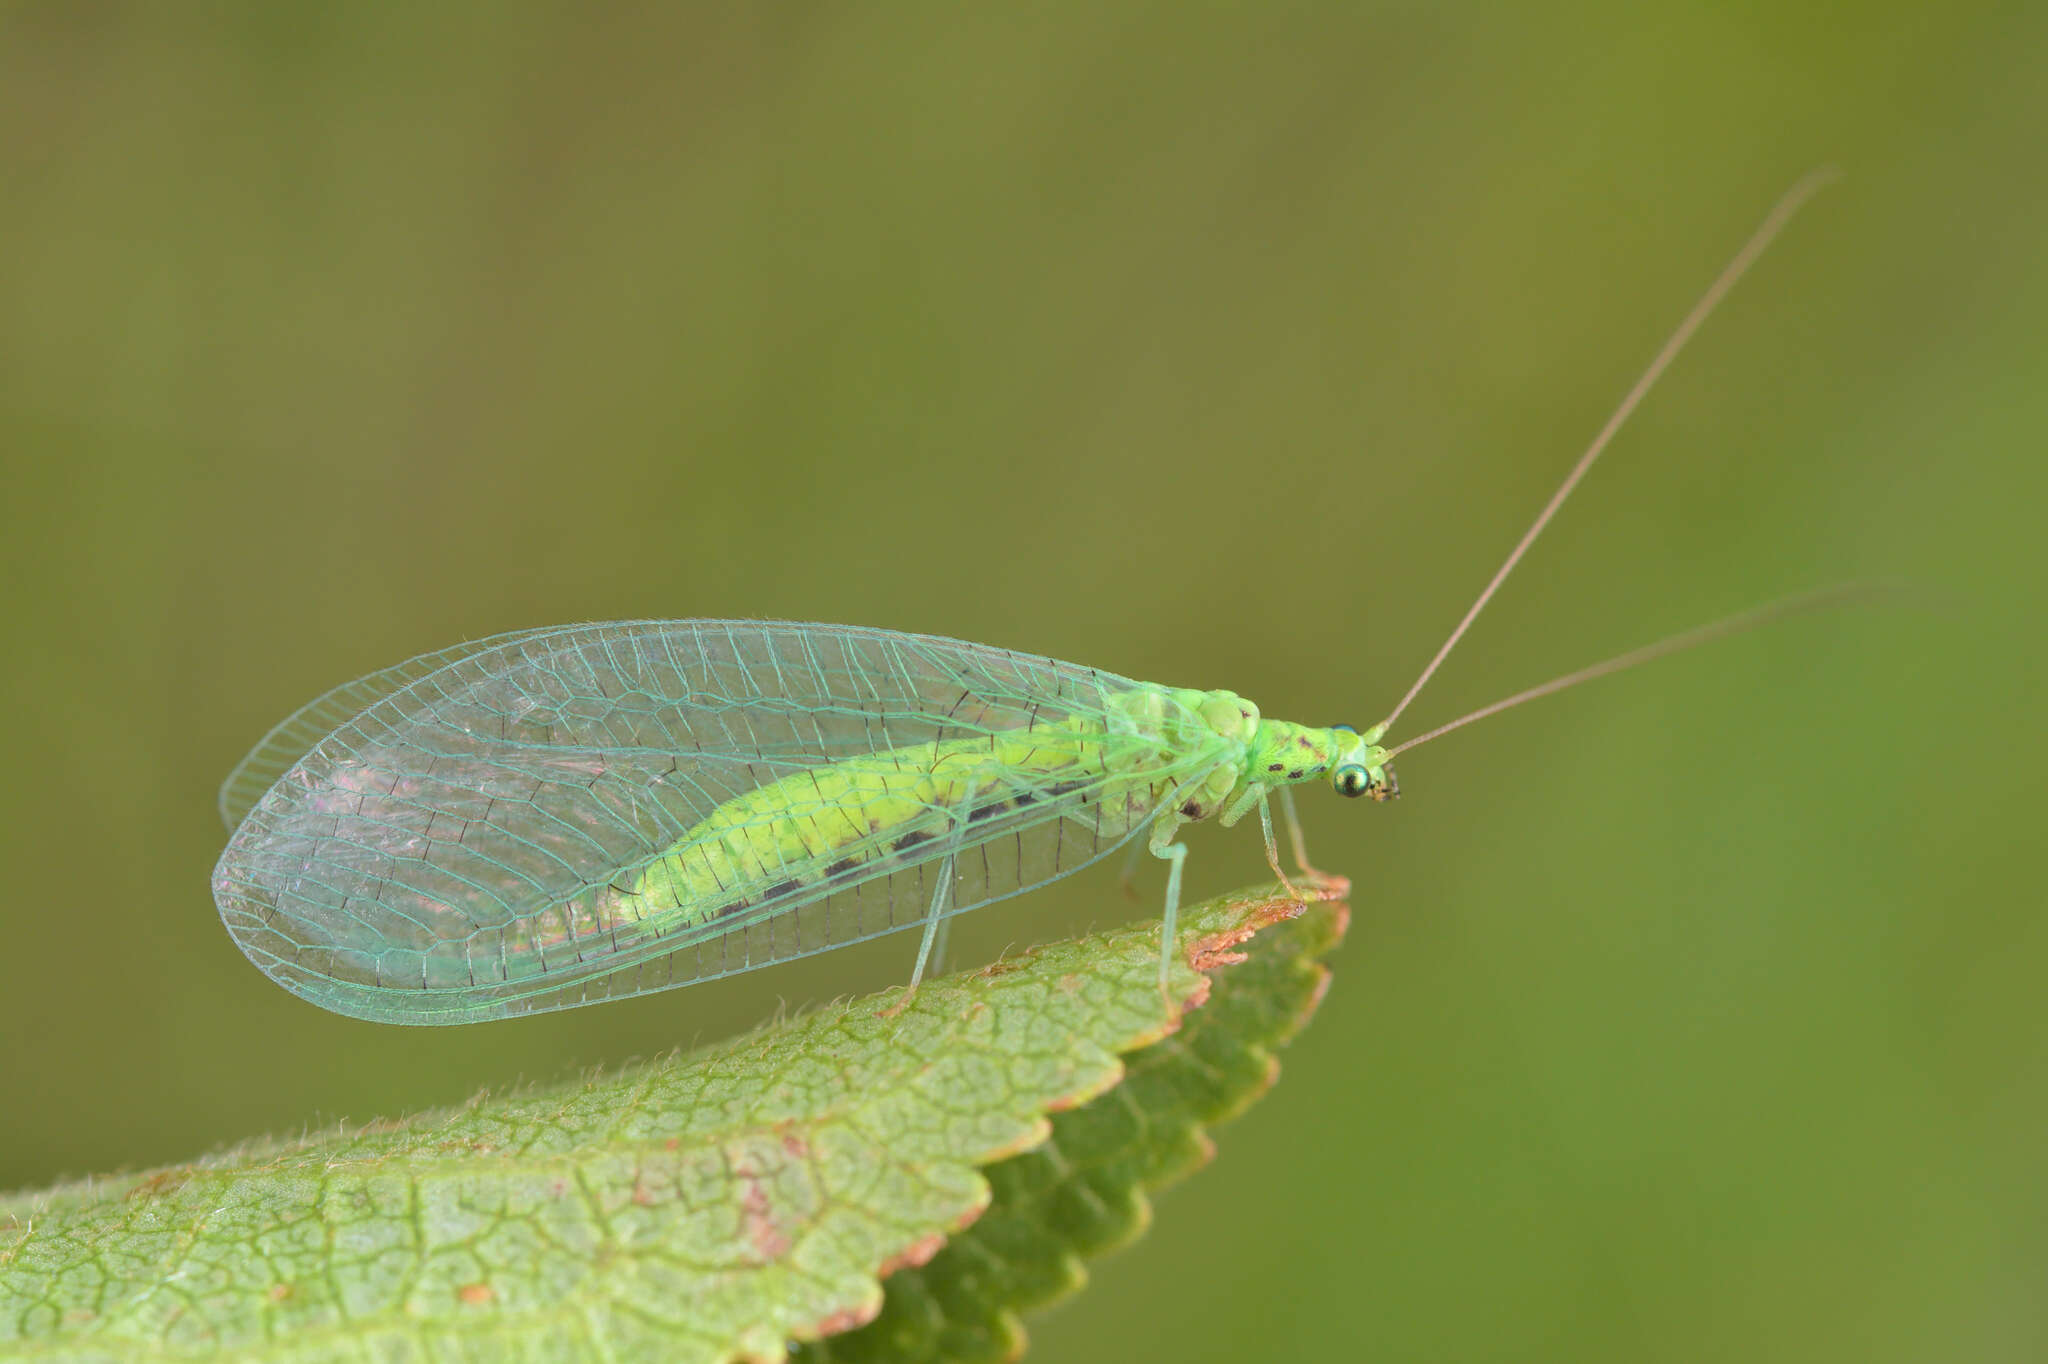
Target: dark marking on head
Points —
{"points": [[1275, 767], [1192, 809], [1294, 774]]}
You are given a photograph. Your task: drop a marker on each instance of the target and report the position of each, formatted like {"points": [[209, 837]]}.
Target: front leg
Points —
{"points": [[1273, 848], [1313, 873], [1255, 794]]}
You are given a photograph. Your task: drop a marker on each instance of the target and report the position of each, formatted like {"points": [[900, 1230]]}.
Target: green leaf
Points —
{"points": [[1083, 1191], [708, 1207]]}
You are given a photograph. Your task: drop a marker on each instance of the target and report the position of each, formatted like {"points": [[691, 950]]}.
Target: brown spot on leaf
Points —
{"points": [[1092, 1091], [1023, 1138], [465, 1144], [911, 1256], [849, 1318], [1207, 953], [160, 1183], [475, 1294], [1213, 952], [1196, 998], [757, 1211]]}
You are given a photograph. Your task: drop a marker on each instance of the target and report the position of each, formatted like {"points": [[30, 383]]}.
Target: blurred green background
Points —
{"points": [[1694, 1016]]}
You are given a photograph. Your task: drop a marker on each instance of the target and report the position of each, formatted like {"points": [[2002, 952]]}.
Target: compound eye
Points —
{"points": [[1352, 780]]}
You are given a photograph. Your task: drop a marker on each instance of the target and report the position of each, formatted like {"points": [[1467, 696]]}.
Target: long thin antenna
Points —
{"points": [[1775, 220], [1840, 595]]}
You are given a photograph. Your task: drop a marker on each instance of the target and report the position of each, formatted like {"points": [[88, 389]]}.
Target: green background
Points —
{"points": [[1695, 1016]]}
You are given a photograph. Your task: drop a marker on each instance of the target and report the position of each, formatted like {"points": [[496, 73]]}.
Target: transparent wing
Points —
{"points": [[463, 847], [291, 738]]}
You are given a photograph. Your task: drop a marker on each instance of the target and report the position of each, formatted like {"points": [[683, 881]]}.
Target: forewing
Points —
{"points": [[458, 849], [292, 737]]}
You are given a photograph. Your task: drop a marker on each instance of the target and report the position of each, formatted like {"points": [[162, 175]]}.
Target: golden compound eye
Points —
{"points": [[1351, 780]]}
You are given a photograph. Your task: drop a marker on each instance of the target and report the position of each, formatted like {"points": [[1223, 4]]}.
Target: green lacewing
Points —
{"points": [[559, 816]]}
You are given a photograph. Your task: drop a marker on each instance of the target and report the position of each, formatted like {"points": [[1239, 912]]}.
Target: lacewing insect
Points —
{"points": [[560, 816]]}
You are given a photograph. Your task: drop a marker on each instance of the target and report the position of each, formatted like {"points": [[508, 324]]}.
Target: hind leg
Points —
{"points": [[934, 941], [932, 951], [1162, 845]]}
